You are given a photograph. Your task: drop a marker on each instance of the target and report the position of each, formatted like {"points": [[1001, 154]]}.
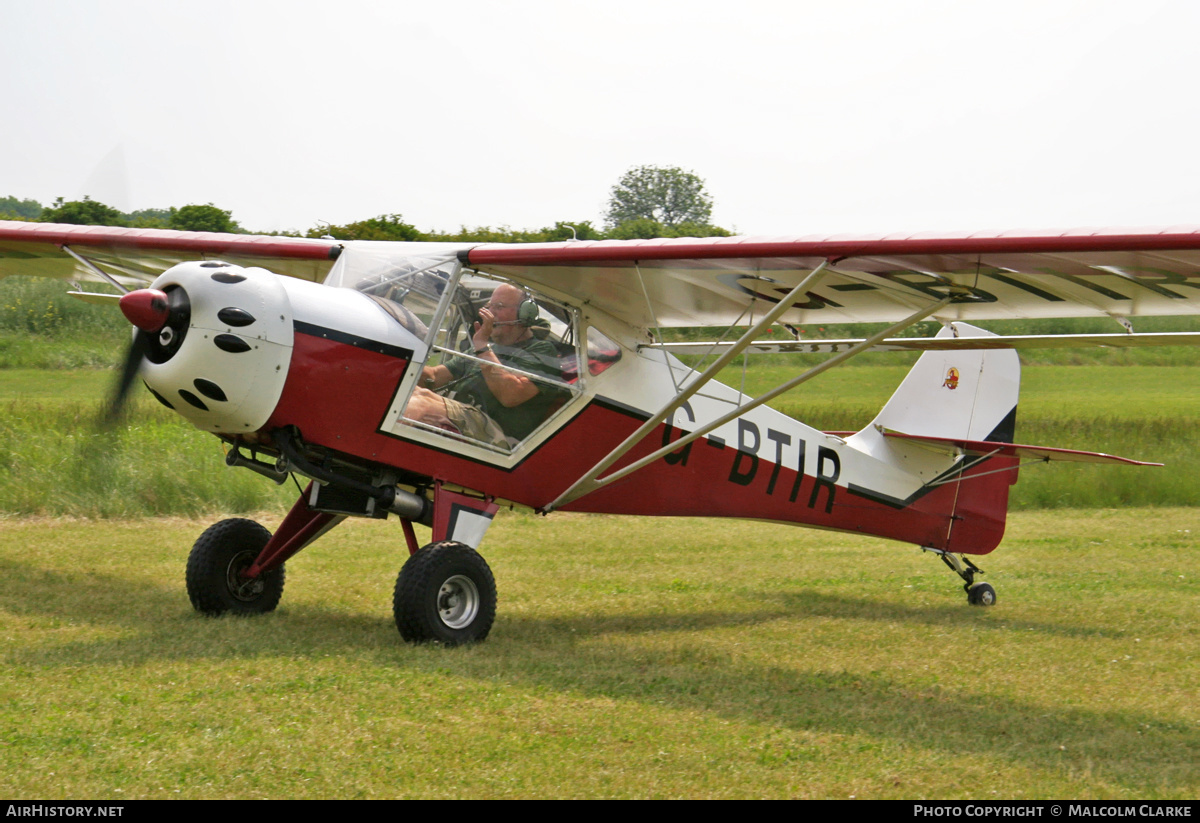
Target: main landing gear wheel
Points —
{"points": [[445, 593], [981, 594], [214, 571]]}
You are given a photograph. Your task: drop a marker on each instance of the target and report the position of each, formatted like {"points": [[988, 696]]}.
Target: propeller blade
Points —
{"points": [[129, 371]]}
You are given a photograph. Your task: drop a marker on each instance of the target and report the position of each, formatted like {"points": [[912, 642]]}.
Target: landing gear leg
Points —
{"points": [[978, 594], [237, 566], [446, 593], [215, 571]]}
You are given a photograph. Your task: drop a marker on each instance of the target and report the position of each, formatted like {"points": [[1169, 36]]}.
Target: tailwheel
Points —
{"points": [[981, 594], [978, 594], [446, 594], [223, 552]]}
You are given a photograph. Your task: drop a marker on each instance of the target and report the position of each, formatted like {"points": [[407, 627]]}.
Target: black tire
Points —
{"points": [[224, 550], [446, 594], [981, 594]]}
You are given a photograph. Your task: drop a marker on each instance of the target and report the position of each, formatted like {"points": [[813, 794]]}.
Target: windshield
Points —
{"points": [[503, 363], [406, 279]]}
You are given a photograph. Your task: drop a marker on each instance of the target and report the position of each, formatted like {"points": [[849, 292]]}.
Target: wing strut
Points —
{"points": [[588, 482], [591, 481], [94, 268]]}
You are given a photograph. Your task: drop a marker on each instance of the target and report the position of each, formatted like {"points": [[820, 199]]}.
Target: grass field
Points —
{"points": [[630, 658]]}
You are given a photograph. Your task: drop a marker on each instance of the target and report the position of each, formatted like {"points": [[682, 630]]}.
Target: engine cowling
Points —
{"points": [[223, 368]]}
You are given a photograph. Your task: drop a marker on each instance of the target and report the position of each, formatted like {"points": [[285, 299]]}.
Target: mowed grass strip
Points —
{"points": [[630, 658]]}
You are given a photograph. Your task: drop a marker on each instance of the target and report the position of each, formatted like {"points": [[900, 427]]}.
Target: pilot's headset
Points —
{"points": [[528, 311]]}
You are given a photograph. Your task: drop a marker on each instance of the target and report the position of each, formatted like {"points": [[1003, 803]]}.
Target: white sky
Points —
{"points": [[837, 116]]}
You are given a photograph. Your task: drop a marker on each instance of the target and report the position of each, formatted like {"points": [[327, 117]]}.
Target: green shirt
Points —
{"points": [[534, 356]]}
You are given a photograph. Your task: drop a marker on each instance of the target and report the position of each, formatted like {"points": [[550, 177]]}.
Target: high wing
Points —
{"points": [[722, 281], [134, 257], [729, 281]]}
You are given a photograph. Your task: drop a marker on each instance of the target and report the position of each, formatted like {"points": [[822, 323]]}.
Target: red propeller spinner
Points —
{"points": [[146, 308]]}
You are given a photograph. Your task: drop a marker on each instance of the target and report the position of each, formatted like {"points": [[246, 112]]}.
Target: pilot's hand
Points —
{"points": [[483, 328]]}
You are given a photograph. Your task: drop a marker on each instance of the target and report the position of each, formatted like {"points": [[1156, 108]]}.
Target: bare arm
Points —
{"points": [[509, 388], [434, 377]]}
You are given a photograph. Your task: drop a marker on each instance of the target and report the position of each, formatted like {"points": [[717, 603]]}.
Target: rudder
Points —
{"points": [[968, 394]]}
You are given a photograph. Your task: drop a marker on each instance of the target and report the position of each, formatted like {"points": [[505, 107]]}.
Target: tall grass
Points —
{"points": [[32, 305], [56, 460], [53, 461], [42, 327], [1173, 442]]}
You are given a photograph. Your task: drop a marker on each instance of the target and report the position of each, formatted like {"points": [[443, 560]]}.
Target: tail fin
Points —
{"points": [[968, 394], [963, 394]]}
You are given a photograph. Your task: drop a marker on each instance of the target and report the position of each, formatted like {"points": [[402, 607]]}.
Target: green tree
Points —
{"points": [[561, 230], [85, 212], [638, 228], [202, 218], [643, 228], [383, 227], [583, 230], [149, 218], [698, 230], [483, 234], [13, 209], [666, 194]]}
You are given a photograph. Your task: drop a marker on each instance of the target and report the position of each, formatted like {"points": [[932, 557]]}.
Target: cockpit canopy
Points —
{"points": [[424, 287]]}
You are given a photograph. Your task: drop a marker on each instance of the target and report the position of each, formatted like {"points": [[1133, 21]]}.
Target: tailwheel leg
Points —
{"points": [[978, 593]]}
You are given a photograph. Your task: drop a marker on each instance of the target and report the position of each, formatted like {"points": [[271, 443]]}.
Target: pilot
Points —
{"points": [[493, 404]]}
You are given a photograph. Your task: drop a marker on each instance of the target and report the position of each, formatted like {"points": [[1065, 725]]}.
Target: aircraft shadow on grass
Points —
{"points": [[562, 654]]}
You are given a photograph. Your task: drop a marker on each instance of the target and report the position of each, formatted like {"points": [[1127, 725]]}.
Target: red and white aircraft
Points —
{"points": [[321, 372]]}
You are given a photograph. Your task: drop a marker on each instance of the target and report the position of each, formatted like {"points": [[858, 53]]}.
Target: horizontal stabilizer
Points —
{"points": [[1020, 341], [953, 445]]}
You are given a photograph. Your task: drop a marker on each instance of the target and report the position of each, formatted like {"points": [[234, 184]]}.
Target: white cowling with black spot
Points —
{"points": [[229, 371]]}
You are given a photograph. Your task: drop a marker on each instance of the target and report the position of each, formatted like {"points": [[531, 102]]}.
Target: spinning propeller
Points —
{"points": [[160, 320]]}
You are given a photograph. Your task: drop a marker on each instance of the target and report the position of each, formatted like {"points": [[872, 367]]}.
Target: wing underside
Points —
{"points": [[727, 281], [722, 281], [134, 257], [1018, 341]]}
